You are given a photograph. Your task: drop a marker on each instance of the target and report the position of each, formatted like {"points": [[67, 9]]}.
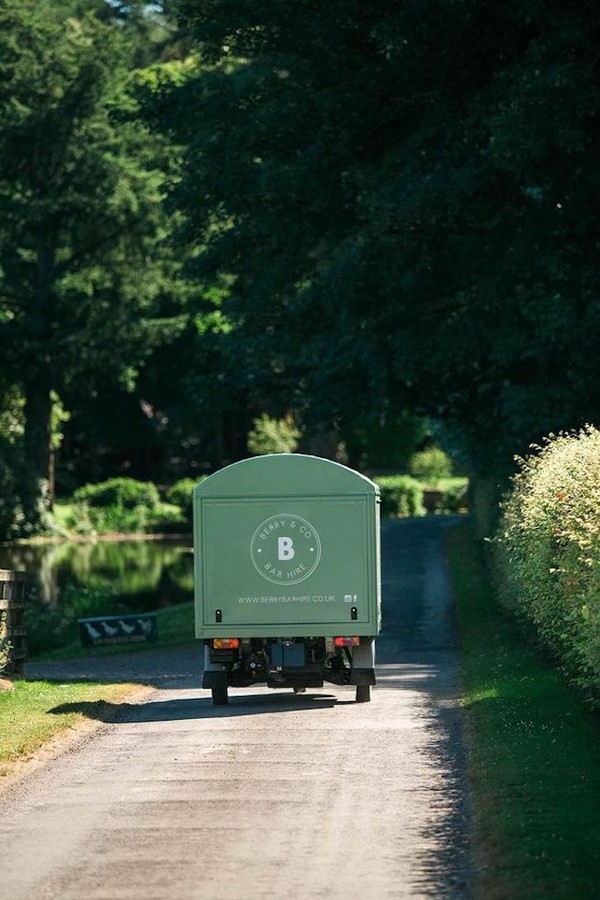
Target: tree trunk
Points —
{"points": [[36, 444], [37, 384]]}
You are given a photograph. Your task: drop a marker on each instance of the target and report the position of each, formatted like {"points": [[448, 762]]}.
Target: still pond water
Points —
{"points": [[140, 575]]}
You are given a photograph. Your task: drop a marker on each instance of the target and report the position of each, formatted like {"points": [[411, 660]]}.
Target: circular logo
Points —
{"points": [[285, 549]]}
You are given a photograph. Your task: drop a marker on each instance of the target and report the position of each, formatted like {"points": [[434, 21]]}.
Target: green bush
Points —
{"points": [[430, 466], [547, 550], [273, 436], [126, 493], [180, 494], [167, 518], [123, 505], [401, 496]]}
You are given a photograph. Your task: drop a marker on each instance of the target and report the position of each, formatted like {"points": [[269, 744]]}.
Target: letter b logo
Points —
{"points": [[285, 548], [279, 557]]}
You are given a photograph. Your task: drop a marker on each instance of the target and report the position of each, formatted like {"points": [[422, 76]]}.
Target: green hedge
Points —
{"points": [[449, 497], [547, 550], [401, 496]]}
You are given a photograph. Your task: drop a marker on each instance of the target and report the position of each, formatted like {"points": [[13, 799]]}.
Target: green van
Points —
{"points": [[287, 575]]}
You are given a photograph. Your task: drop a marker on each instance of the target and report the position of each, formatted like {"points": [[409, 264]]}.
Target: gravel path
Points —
{"points": [[274, 796]]}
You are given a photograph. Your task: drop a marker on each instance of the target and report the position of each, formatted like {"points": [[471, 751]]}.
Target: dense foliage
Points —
{"points": [[404, 198], [124, 492], [547, 552], [272, 436], [430, 465], [349, 218], [122, 505], [403, 496], [82, 218], [181, 494]]}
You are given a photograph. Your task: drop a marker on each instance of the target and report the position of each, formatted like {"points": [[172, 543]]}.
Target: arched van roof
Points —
{"points": [[285, 475]]}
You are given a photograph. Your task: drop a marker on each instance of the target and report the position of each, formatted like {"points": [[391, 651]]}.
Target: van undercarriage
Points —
{"points": [[296, 663]]}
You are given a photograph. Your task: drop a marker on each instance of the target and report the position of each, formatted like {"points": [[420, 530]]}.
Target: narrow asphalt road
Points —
{"points": [[274, 796]]}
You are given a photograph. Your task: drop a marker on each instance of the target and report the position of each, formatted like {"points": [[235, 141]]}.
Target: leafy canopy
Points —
{"points": [[83, 260], [405, 196]]}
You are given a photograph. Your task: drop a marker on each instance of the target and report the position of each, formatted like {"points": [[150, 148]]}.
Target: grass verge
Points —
{"points": [[534, 762], [36, 711], [29, 715]]}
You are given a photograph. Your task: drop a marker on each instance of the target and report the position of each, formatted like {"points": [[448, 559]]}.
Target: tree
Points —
{"points": [[405, 198], [82, 222], [273, 436]]}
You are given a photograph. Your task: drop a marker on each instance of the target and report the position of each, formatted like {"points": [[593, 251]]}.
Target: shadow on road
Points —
{"points": [[412, 676], [199, 708]]}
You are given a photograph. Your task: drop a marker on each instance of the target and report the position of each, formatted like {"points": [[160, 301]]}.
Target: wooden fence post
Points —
{"points": [[12, 621]]}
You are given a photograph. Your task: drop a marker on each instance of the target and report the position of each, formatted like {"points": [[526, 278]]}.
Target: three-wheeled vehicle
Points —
{"points": [[287, 575]]}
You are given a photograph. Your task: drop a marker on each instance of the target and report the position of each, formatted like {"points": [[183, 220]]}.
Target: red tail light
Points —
{"points": [[226, 643], [346, 641]]}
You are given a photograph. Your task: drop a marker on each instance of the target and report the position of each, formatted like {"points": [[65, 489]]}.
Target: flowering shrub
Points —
{"points": [[547, 550]]}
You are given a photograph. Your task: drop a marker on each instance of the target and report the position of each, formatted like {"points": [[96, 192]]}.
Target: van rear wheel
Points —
{"points": [[363, 693], [219, 696]]}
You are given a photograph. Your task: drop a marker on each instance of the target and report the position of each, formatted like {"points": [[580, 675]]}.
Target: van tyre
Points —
{"points": [[219, 696], [363, 693]]}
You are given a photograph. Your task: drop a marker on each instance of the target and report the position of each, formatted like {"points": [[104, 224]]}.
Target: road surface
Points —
{"points": [[274, 796]]}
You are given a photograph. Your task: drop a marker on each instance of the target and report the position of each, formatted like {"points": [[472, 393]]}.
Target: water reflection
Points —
{"points": [[142, 574]]}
